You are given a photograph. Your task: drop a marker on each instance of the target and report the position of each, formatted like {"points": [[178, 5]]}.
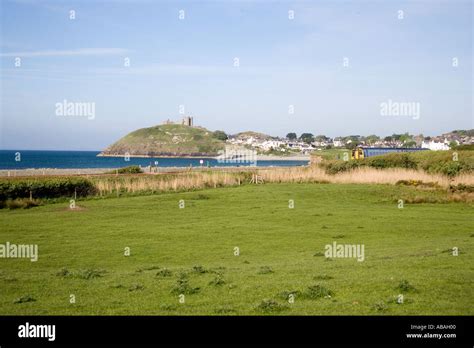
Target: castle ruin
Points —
{"points": [[186, 121]]}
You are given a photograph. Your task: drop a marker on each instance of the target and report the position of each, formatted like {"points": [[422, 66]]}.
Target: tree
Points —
{"points": [[321, 138], [396, 137], [308, 138], [220, 135], [352, 145], [409, 143], [372, 139], [406, 137], [291, 136]]}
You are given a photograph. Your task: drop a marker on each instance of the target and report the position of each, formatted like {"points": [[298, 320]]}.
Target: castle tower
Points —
{"points": [[187, 121]]}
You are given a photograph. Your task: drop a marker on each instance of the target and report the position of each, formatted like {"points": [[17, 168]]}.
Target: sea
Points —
{"points": [[36, 159]]}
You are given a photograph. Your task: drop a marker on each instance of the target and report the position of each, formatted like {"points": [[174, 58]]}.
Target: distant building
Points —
{"points": [[436, 145], [187, 121], [338, 142]]}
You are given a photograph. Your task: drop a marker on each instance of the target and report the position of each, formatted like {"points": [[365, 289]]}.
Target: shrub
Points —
{"points": [[165, 272], [380, 306], [467, 147], [393, 160], [269, 305], [182, 286], [434, 162], [24, 203], [45, 188], [81, 274], [317, 291], [127, 170], [405, 286], [217, 281], [335, 167], [284, 295], [461, 188]]}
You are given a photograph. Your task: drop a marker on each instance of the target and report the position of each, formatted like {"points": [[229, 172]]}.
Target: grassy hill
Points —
{"points": [[167, 140]]}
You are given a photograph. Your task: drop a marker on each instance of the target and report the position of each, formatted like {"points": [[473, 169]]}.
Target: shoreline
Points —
{"points": [[39, 172], [259, 157]]}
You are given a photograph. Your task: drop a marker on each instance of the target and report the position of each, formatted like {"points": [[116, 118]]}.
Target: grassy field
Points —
{"points": [[190, 251]]}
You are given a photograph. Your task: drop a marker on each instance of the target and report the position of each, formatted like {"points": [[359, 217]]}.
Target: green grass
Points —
{"points": [[191, 251], [332, 154]]}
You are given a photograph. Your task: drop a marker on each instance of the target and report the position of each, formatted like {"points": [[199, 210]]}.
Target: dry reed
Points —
{"points": [[189, 181]]}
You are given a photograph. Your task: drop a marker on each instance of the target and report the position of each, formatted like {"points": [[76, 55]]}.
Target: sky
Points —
{"points": [[324, 67]]}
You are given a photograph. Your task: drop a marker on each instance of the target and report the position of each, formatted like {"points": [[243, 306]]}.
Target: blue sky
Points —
{"points": [[190, 62]]}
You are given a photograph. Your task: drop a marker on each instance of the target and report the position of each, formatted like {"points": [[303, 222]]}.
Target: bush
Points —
{"points": [[85, 274], [182, 286], [45, 188], [335, 167], [461, 188], [220, 135], [269, 305], [127, 170], [434, 162], [405, 286], [164, 273], [317, 291], [20, 203], [217, 281], [393, 160], [466, 147]]}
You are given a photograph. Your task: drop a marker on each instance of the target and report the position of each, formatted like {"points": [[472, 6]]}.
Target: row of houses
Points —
{"points": [[266, 143]]}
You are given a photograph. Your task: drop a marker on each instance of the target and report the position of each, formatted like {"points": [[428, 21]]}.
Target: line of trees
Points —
{"points": [[306, 137]]}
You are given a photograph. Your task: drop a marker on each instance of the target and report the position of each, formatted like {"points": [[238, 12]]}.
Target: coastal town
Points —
{"points": [[306, 143]]}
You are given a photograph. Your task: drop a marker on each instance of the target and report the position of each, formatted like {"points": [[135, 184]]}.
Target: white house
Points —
{"points": [[436, 145], [338, 142]]}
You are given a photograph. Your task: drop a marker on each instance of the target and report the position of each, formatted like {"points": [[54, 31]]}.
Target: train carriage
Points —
{"points": [[363, 152]]}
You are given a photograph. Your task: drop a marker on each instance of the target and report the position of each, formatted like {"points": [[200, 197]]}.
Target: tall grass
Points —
{"points": [[210, 179], [162, 183], [106, 185], [361, 175]]}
